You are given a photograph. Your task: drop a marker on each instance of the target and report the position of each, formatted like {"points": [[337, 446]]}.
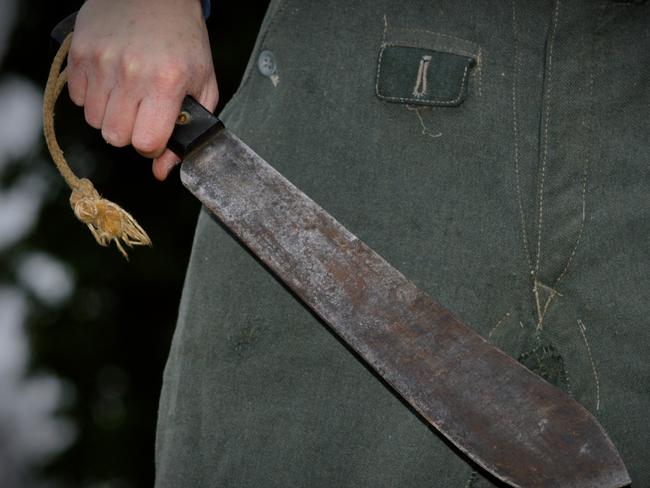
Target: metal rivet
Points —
{"points": [[183, 118], [266, 63]]}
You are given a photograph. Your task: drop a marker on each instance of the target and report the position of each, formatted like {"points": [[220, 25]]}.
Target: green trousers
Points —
{"points": [[497, 153]]}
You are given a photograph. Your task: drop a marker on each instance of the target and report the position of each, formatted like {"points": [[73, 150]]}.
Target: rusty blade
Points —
{"points": [[505, 418]]}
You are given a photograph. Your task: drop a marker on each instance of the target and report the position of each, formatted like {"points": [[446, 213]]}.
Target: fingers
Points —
{"points": [[163, 165], [124, 118], [155, 121], [153, 127], [131, 64], [119, 117], [210, 94], [100, 82], [77, 81]]}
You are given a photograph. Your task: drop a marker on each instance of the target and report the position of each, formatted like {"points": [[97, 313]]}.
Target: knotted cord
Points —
{"points": [[107, 221]]}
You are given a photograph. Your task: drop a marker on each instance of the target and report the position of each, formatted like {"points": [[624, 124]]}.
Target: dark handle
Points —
{"points": [[194, 124]]}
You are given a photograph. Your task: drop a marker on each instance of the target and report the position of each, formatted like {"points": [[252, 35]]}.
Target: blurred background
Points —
{"points": [[84, 334]]}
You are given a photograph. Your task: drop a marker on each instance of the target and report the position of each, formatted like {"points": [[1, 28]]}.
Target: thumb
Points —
{"points": [[163, 165], [208, 96]]}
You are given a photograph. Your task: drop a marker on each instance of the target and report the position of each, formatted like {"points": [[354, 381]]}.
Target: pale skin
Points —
{"points": [[130, 65]]}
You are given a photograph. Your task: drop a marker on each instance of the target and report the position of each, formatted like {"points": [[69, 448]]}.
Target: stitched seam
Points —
{"points": [[582, 224], [448, 49], [437, 34], [540, 215], [425, 131], [440, 101], [583, 332], [381, 55], [440, 48], [585, 177], [420, 88], [515, 77], [498, 324], [569, 388], [551, 296], [479, 71], [538, 306], [477, 56]]}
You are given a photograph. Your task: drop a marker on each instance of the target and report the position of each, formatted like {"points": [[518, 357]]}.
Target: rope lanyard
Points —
{"points": [[107, 221]]}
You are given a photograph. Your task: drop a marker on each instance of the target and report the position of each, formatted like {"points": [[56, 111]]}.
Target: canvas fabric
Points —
{"points": [[523, 207]]}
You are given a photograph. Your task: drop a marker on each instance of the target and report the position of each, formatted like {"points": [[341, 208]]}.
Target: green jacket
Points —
{"points": [[497, 154]]}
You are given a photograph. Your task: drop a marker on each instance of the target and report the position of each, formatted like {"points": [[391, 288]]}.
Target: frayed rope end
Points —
{"points": [[107, 221]]}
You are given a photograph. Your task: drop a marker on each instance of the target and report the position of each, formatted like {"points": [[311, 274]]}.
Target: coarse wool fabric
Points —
{"points": [[523, 207]]}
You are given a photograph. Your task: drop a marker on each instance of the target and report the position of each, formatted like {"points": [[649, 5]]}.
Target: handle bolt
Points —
{"points": [[183, 118]]}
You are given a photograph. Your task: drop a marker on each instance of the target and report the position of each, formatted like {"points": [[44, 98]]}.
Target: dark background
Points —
{"points": [[108, 342]]}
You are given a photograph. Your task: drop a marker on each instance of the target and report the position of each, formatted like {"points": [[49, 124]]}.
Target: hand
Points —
{"points": [[130, 65]]}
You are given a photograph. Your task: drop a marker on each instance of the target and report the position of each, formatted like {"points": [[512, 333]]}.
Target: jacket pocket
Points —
{"points": [[421, 67]]}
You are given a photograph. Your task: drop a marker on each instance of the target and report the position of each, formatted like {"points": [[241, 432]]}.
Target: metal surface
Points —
{"points": [[506, 419]]}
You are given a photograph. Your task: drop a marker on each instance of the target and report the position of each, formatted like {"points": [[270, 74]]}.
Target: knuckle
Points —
{"points": [[146, 143], [170, 76], [130, 67], [103, 56], [76, 56]]}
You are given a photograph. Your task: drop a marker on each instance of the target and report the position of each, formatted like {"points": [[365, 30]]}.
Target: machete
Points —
{"points": [[505, 418]]}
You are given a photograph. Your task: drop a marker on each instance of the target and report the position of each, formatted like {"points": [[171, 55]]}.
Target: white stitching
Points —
{"points": [[541, 311], [506, 316], [437, 34], [583, 196], [438, 48], [425, 131], [479, 71], [420, 88], [515, 77], [437, 101], [547, 118], [477, 56], [449, 49], [582, 224], [583, 331]]}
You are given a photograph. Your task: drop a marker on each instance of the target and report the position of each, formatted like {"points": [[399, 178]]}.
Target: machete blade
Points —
{"points": [[508, 420], [511, 422]]}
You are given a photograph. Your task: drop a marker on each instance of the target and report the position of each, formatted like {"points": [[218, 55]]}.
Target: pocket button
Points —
{"points": [[266, 63]]}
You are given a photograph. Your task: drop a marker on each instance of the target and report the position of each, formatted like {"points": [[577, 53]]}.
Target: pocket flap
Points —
{"points": [[418, 76]]}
